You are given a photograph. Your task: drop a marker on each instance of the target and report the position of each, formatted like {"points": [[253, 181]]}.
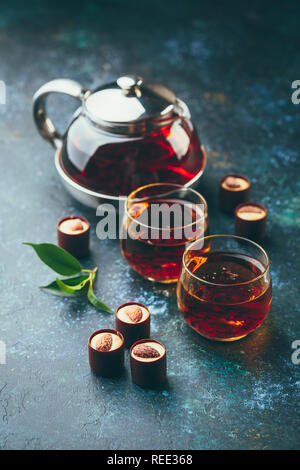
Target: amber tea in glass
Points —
{"points": [[161, 219], [224, 291]]}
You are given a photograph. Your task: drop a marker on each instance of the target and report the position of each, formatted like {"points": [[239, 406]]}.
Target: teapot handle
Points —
{"points": [[42, 121]]}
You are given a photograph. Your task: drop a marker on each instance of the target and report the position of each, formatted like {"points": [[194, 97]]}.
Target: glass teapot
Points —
{"points": [[124, 135]]}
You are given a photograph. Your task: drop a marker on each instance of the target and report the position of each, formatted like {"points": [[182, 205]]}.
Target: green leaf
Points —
{"points": [[96, 302], [63, 285], [54, 288], [56, 258], [74, 281]]}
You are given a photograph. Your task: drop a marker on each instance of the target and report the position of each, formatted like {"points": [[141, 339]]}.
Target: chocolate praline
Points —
{"points": [[106, 357], [133, 321], [251, 220], [73, 234], [234, 189], [148, 368]]}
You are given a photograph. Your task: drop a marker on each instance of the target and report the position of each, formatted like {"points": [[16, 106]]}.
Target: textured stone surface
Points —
{"points": [[234, 66]]}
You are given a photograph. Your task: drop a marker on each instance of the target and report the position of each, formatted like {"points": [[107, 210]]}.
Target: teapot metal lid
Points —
{"points": [[132, 106]]}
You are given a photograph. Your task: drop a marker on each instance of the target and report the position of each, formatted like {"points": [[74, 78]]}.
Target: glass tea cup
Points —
{"points": [[160, 220], [224, 291]]}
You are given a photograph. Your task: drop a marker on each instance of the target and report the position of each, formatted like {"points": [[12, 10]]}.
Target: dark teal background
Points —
{"points": [[233, 63]]}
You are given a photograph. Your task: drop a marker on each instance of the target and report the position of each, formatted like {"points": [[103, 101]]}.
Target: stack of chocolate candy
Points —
{"points": [[250, 217], [147, 356]]}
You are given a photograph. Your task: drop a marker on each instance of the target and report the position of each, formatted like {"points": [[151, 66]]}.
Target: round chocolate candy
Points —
{"points": [[133, 321], [106, 352], [234, 189], [73, 234], [251, 220], [148, 363]]}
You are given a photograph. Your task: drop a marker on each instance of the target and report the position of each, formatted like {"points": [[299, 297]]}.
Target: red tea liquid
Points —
{"points": [[229, 311], [172, 154], [160, 259]]}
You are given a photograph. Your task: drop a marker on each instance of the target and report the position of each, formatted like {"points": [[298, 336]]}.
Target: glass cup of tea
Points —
{"points": [[224, 291], [160, 220]]}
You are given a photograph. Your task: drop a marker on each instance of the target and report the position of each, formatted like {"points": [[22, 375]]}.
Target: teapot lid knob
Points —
{"points": [[130, 84]]}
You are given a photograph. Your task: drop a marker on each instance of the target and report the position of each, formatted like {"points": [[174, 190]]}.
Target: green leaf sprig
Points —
{"points": [[62, 262]]}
